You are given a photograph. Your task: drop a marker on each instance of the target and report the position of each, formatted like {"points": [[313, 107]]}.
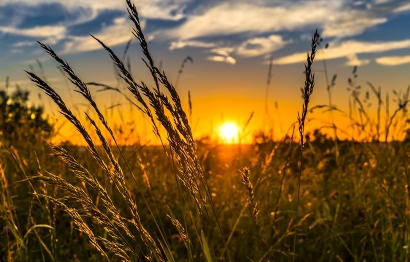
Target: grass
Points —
{"points": [[195, 200]]}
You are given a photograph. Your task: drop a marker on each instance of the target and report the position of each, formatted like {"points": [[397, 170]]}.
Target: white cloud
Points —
{"points": [[393, 60], [381, 1], [38, 31], [161, 9], [347, 49], [233, 18], [223, 54], [220, 58], [230, 60], [223, 51], [85, 11], [229, 18], [24, 43], [252, 47], [52, 34], [260, 45], [184, 43], [353, 60], [115, 34], [349, 24], [403, 8]]}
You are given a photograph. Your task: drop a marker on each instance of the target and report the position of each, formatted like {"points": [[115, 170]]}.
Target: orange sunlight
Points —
{"points": [[229, 132]]}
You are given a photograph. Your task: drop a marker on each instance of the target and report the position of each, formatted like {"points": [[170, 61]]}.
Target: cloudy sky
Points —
{"points": [[231, 43]]}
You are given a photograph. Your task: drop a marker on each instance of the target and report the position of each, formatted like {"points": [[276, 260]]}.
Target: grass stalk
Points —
{"points": [[306, 93]]}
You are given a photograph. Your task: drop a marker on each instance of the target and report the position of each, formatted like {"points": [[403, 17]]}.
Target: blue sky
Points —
{"points": [[227, 31], [233, 36]]}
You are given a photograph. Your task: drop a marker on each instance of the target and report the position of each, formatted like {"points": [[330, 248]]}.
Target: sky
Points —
{"points": [[231, 43]]}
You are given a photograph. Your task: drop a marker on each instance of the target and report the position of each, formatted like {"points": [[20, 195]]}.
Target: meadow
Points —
{"points": [[309, 196]]}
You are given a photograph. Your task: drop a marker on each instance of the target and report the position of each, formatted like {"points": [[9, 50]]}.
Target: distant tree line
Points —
{"points": [[20, 122]]}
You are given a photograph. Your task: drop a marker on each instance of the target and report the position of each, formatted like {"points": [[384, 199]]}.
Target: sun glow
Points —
{"points": [[229, 132]]}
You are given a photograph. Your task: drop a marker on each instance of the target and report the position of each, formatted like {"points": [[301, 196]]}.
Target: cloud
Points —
{"points": [[117, 33], [349, 24], [234, 18], [353, 60], [403, 8], [381, 1], [184, 43], [52, 34], [393, 60], [76, 12], [24, 43], [261, 45], [37, 31], [347, 49], [223, 51], [223, 54], [220, 58], [249, 48], [337, 19], [156, 9]]}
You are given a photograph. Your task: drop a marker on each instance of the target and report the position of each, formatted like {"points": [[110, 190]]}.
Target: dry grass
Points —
{"points": [[182, 146]]}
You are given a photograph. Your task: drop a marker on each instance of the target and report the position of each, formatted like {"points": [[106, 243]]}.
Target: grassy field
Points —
{"points": [[307, 197]]}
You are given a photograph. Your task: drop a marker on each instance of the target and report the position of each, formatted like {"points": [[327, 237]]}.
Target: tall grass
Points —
{"points": [[307, 91], [181, 154]]}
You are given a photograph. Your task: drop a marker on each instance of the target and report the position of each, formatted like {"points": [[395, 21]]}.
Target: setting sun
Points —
{"points": [[229, 132]]}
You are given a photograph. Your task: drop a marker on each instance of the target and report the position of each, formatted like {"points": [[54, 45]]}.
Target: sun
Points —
{"points": [[229, 132]]}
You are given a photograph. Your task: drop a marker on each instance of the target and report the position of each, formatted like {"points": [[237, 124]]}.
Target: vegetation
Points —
{"points": [[319, 199], [18, 120]]}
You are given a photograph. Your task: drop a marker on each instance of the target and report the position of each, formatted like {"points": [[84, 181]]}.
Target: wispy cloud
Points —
{"points": [[261, 45], [347, 49], [350, 24], [220, 58], [117, 33], [337, 18], [381, 1], [251, 47], [393, 60], [403, 8], [222, 54], [52, 34], [353, 60], [223, 51], [186, 43], [80, 12], [24, 43], [258, 27], [234, 18], [160, 9]]}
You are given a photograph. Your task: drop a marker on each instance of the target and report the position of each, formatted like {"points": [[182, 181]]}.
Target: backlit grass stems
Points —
{"points": [[246, 174], [307, 91], [160, 109]]}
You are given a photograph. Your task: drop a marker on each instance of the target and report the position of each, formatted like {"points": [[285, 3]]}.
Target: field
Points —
{"points": [[307, 197]]}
